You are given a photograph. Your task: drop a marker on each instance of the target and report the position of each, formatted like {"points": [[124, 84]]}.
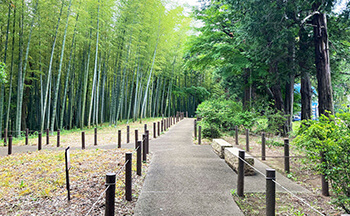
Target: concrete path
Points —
{"points": [[186, 179]]}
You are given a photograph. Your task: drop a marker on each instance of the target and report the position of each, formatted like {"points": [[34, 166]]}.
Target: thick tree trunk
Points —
{"points": [[276, 88], [305, 90], [323, 71]]}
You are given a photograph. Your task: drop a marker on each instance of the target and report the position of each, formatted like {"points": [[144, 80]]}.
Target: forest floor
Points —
{"points": [[300, 172], [33, 182]]}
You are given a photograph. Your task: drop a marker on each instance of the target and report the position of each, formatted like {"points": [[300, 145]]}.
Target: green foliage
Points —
{"points": [[222, 115], [2, 73], [329, 135]]}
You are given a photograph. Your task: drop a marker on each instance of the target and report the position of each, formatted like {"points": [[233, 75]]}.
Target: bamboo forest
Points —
{"points": [[75, 63]]}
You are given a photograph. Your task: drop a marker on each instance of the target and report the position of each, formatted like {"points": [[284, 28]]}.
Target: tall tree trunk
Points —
{"points": [[2, 85], [50, 71], [95, 68], [323, 71], [68, 74], [305, 90], [59, 71], [11, 70]]}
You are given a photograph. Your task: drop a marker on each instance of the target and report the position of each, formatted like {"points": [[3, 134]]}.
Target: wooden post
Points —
{"points": [[247, 140], [158, 123], [39, 141], [286, 156], [27, 133], [144, 148], [83, 140], [47, 136], [263, 147], [145, 127], [58, 137], [325, 186], [110, 194], [127, 134], [199, 135], [95, 136], [136, 137], [195, 129], [128, 176], [154, 130], [147, 141], [240, 178], [236, 134], [270, 192], [119, 138], [10, 145], [138, 158]]}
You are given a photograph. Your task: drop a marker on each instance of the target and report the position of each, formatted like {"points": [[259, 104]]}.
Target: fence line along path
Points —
{"points": [[186, 179]]}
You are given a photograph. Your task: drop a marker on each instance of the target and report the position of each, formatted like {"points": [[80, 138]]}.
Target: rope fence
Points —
{"points": [[280, 185]]}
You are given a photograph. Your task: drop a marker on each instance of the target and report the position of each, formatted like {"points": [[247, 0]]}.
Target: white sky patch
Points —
{"points": [[340, 6]]}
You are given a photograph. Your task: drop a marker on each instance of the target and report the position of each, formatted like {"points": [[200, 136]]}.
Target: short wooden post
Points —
{"points": [[263, 147], [161, 128], [127, 134], [47, 136], [128, 176], [39, 141], [110, 194], [247, 140], [270, 192], [286, 156], [154, 130], [138, 158], [144, 148], [145, 128], [83, 140], [158, 123], [58, 137], [147, 141], [236, 134], [195, 129], [10, 145], [119, 138], [240, 179], [136, 137], [27, 133], [95, 136], [324, 182], [200, 135]]}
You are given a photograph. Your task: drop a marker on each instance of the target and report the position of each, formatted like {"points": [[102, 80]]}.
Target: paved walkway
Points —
{"points": [[186, 179]]}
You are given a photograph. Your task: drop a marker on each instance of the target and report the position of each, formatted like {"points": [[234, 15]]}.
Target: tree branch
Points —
{"points": [[310, 15]]}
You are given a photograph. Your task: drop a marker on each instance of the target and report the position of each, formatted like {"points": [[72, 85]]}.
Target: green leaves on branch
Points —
{"points": [[331, 136]]}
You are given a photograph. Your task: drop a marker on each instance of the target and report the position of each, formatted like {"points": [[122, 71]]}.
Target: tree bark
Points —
{"points": [[323, 71], [305, 90]]}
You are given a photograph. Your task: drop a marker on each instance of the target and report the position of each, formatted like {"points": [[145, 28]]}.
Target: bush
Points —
{"points": [[331, 136]]}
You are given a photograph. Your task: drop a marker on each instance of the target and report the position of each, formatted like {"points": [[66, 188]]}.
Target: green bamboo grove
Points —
{"points": [[76, 63]]}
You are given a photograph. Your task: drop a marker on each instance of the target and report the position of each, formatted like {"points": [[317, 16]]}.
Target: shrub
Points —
{"points": [[331, 136]]}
